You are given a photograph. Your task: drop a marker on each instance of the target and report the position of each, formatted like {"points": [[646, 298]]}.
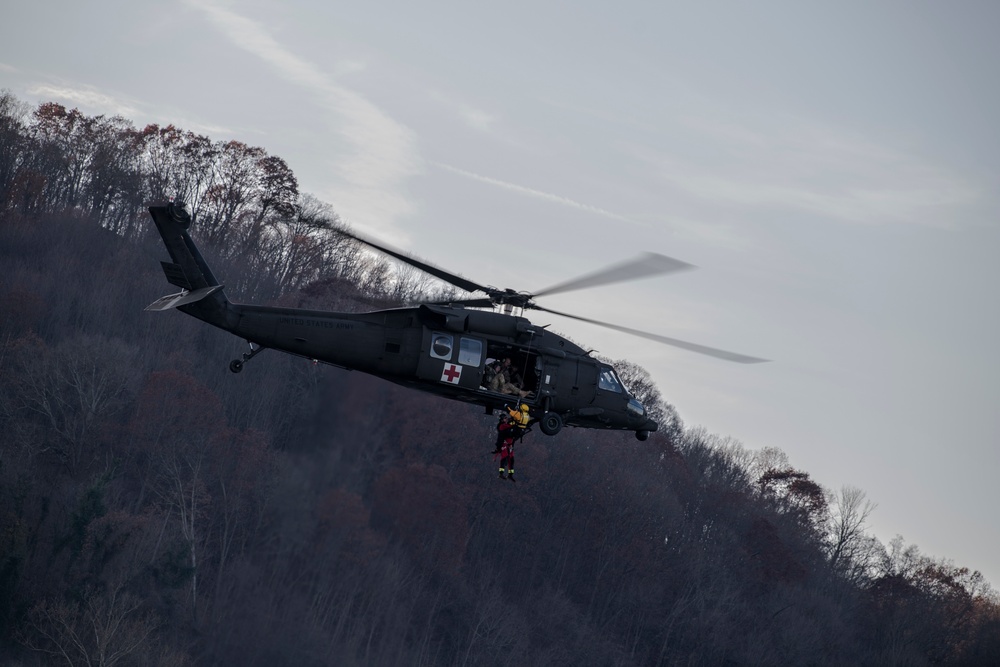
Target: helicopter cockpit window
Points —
{"points": [[635, 407], [470, 351], [441, 346], [608, 381]]}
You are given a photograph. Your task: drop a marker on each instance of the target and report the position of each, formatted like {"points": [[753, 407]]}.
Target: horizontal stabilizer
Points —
{"points": [[175, 275], [174, 300]]}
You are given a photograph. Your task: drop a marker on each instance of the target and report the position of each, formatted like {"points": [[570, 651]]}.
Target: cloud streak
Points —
{"points": [[88, 98], [537, 194], [382, 153]]}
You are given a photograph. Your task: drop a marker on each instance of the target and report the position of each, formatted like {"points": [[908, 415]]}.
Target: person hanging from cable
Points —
{"points": [[519, 418], [505, 447], [504, 431]]}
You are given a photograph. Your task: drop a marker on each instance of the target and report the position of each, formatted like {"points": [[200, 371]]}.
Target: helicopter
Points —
{"points": [[444, 348]]}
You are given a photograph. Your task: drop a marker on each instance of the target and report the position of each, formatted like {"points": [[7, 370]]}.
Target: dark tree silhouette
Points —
{"points": [[156, 509]]}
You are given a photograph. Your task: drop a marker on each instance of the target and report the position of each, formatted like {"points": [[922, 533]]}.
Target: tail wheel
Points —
{"points": [[550, 423], [236, 365], [641, 435]]}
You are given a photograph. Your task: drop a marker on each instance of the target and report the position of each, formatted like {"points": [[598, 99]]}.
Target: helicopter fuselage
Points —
{"points": [[445, 350]]}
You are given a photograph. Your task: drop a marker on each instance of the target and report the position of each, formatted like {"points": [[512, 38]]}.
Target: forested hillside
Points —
{"points": [[156, 509]]}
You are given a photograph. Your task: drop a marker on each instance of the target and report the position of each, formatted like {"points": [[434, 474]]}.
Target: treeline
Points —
{"points": [[247, 203], [156, 509]]}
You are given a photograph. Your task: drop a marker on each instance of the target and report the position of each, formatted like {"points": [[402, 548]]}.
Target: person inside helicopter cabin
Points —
{"points": [[499, 374], [502, 378], [494, 367], [515, 379]]}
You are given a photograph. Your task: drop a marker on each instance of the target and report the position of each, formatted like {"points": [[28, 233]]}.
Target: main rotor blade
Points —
{"points": [[467, 303], [647, 264], [447, 276], [692, 347]]}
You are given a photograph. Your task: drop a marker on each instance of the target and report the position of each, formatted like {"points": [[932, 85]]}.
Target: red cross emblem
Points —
{"points": [[451, 373]]}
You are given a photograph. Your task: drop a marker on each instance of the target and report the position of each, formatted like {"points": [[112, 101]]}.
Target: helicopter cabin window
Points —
{"points": [[609, 381], [470, 352], [441, 346]]}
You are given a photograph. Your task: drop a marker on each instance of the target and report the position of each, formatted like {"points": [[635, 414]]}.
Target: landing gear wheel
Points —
{"points": [[236, 365], [641, 435], [550, 423]]}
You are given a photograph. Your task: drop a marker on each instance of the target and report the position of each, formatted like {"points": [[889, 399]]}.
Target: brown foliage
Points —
{"points": [[346, 514], [408, 500], [797, 490], [174, 406]]}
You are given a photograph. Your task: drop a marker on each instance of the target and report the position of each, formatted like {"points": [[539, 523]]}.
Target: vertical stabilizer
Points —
{"points": [[201, 294], [188, 269]]}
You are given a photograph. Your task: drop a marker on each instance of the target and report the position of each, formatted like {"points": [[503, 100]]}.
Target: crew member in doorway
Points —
{"points": [[500, 376]]}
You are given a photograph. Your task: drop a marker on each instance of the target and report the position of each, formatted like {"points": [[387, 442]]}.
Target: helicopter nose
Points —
{"points": [[635, 408]]}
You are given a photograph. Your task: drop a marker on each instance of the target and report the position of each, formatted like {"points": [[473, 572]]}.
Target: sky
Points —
{"points": [[831, 169]]}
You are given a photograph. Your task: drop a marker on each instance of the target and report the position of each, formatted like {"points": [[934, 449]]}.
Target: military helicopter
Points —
{"points": [[443, 348]]}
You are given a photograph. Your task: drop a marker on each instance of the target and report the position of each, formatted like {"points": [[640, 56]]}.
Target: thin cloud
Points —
{"points": [[818, 170], [88, 98], [252, 37], [538, 194], [477, 118], [383, 151], [787, 162], [473, 116]]}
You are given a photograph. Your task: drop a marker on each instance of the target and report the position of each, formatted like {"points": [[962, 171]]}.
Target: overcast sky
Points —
{"points": [[832, 170]]}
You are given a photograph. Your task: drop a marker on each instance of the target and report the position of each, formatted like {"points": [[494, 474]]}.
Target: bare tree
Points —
{"points": [[113, 191], [176, 421], [850, 550], [767, 458], [176, 163], [13, 142], [103, 630], [279, 189], [63, 155], [73, 387], [235, 192]]}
